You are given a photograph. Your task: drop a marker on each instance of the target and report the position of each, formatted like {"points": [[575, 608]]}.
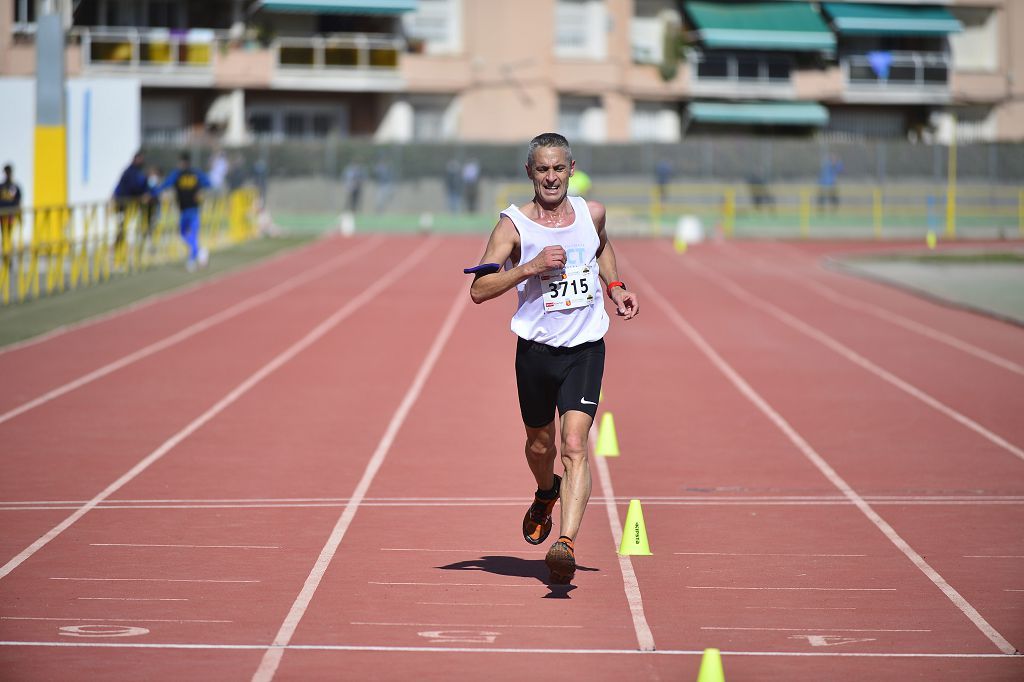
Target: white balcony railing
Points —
{"points": [[896, 70], [338, 53], [148, 49]]}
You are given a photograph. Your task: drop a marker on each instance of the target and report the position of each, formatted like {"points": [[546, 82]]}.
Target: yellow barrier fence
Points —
{"points": [[50, 249], [806, 210]]}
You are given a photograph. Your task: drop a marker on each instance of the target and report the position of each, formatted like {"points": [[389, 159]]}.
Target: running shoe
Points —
{"points": [[561, 561], [537, 522]]}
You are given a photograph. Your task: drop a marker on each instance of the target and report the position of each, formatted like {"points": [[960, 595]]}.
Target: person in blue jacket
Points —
{"points": [[188, 183]]}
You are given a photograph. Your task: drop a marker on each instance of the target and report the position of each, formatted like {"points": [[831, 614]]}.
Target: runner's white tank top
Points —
{"points": [[560, 328]]}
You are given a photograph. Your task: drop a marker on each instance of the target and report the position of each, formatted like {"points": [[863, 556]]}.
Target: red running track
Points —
{"points": [[312, 470]]}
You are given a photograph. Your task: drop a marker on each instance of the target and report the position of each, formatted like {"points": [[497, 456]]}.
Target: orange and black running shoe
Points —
{"points": [[561, 561], [537, 522]]}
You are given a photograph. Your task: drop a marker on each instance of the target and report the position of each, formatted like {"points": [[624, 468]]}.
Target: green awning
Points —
{"points": [[886, 20], [760, 113], [761, 26], [339, 6]]}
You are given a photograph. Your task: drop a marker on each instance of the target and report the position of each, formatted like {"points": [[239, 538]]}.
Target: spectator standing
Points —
{"points": [[219, 167], [10, 211], [132, 192], [471, 184], [662, 176], [353, 175], [828, 181], [453, 184]]}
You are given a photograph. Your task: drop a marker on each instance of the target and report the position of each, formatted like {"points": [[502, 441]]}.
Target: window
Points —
{"points": [[157, 13], [312, 121], [977, 47], [713, 66], [581, 119], [438, 23], [24, 12], [261, 125], [580, 28], [744, 67], [654, 122], [748, 68], [433, 118]]}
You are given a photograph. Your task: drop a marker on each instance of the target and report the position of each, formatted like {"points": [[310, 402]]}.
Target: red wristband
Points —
{"points": [[612, 285]]}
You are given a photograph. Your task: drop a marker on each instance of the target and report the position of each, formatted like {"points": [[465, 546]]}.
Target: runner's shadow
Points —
{"points": [[516, 567]]}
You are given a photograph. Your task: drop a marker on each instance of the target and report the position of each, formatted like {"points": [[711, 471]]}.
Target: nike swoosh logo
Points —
{"points": [[584, 401]]}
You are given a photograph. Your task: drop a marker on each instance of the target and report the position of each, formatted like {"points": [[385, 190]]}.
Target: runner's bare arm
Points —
{"points": [[504, 240], [626, 304]]}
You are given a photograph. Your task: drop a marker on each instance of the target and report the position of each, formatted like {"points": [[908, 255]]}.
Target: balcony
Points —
{"points": [[740, 75], [347, 62], [207, 58], [157, 56], [896, 77]]}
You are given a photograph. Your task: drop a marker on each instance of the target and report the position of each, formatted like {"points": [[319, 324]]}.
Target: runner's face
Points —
{"points": [[549, 170]]}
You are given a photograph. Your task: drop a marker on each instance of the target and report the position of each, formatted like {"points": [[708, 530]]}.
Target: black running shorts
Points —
{"points": [[550, 377]]}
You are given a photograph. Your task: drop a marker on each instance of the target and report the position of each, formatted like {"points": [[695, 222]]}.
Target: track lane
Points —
{"points": [[112, 423], [37, 368], [731, 332], [333, 387], [975, 388], [465, 577], [985, 332]]}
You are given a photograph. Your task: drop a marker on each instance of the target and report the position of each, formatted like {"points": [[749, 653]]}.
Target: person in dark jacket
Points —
{"points": [[10, 211], [188, 183], [132, 190]]}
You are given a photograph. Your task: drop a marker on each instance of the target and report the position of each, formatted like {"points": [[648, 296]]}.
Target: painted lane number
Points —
{"points": [[102, 631]]}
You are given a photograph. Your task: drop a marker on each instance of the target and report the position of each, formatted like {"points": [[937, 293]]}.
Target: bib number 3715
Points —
{"points": [[572, 287]]}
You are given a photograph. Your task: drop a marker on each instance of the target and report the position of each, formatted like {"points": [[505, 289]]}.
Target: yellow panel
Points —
{"points": [[51, 172]]}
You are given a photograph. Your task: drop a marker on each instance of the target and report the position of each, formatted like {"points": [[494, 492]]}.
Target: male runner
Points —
{"points": [[555, 253], [188, 184]]}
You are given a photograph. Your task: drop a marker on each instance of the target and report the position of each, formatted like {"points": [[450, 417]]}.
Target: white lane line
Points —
{"points": [[1012, 590], [533, 585], [155, 298], [813, 629], [133, 598], [462, 603], [895, 318], [130, 544], [768, 554], [856, 358], [901, 499], [496, 650], [355, 301], [993, 556], [190, 331], [154, 580], [272, 657], [826, 469], [115, 620], [468, 625], [644, 636], [797, 589], [701, 503]]}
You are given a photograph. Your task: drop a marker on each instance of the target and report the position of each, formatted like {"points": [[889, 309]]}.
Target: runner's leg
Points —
{"points": [[576, 479], [540, 454]]}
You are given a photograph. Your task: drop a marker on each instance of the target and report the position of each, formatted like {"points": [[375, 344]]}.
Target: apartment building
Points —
{"points": [[500, 70]]}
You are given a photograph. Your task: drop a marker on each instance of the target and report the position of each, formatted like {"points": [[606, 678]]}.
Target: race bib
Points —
{"points": [[572, 287]]}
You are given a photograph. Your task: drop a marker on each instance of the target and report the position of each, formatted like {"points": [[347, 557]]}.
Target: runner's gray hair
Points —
{"points": [[548, 140]]}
